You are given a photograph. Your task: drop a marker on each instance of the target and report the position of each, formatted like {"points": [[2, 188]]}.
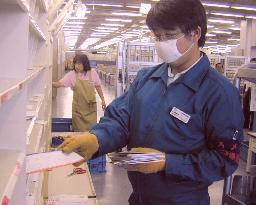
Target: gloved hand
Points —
{"points": [[86, 145], [147, 168]]}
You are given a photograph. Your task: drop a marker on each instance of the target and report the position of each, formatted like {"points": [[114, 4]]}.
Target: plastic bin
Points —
{"points": [[62, 125], [97, 165]]}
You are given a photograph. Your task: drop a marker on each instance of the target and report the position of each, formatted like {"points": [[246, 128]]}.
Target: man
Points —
{"points": [[219, 68], [182, 108]]}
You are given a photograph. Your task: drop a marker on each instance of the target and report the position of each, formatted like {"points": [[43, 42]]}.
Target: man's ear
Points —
{"points": [[196, 34]]}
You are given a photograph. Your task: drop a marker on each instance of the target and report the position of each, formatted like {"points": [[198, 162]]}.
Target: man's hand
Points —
{"points": [[86, 145], [147, 168]]}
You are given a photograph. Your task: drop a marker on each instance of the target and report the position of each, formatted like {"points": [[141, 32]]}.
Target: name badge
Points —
{"points": [[182, 116]]}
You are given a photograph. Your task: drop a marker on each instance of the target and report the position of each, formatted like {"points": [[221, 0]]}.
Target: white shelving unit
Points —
{"points": [[25, 96]]}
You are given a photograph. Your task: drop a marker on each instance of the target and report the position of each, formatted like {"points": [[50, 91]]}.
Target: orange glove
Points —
{"points": [[147, 168], [86, 145]]}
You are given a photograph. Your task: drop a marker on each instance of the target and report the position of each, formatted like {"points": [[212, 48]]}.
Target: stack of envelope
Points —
{"points": [[127, 159]]}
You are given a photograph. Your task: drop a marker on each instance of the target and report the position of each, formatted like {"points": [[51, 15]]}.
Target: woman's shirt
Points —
{"points": [[69, 80]]}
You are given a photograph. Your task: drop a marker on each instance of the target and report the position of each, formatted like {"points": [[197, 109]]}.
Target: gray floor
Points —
{"points": [[113, 187]]}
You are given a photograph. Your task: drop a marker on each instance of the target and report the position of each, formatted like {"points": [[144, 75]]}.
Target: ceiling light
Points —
{"points": [[98, 35], [210, 35], [72, 26], [106, 5], [112, 24], [228, 14], [134, 7], [244, 8], [221, 21], [78, 18], [216, 5], [234, 39], [250, 17], [144, 8], [75, 23], [211, 42], [102, 31], [119, 20], [80, 9], [107, 28], [222, 32], [126, 14], [210, 26], [235, 28]]}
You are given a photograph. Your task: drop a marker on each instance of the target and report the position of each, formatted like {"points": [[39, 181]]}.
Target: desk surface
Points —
{"points": [[59, 183]]}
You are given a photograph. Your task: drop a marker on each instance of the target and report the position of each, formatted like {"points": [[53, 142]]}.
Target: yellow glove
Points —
{"points": [[148, 168], [86, 145]]}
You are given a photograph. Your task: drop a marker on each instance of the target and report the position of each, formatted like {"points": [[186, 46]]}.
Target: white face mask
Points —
{"points": [[168, 51]]}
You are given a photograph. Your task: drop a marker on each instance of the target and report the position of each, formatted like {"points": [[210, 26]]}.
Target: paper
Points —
{"points": [[69, 200], [46, 160], [125, 159]]}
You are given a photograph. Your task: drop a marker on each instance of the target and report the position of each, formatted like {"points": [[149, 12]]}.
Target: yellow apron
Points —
{"points": [[84, 109]]}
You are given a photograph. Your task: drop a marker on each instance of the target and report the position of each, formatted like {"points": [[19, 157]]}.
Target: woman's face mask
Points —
{"points": [[168, 51]]}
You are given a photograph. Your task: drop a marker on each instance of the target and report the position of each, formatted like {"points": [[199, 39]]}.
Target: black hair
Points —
{"points": [[186, 15], [253, 60], [82, 58]]}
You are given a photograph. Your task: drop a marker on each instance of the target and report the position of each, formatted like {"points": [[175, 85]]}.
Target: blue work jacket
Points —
{"points": [[198, 152]]}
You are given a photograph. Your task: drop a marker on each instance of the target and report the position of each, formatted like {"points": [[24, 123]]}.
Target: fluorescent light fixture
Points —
{"points": [[211, 42], [74, 23], [72, 30], [98, 35], [80, 10], [134, 7], [221, 21], [222, 32], [249, 8], [234, 45], [77, 18], [234, 39], [102, 31], [144, 26], [112, 24], [119, 20], [228, 14], [88, 42], [125, 14], [102, 52], [107, 28], [210, 35], [105, 5], [144, 8], [250, 17], [235, 28], [72, 26], [210, 26], [216, 5]]}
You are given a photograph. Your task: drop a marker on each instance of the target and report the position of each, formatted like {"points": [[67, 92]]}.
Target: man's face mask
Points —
{"points": [[168, 51]]}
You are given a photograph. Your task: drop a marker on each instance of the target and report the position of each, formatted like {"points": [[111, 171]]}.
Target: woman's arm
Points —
{"points": [[57, 84], [99, 91]]}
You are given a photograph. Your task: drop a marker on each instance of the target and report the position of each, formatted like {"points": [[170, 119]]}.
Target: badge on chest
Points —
{"points": [[180, 115]]}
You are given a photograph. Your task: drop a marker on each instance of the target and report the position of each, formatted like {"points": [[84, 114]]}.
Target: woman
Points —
{"points": [[82, 80]]}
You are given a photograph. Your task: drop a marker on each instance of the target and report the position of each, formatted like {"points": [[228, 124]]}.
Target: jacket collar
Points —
{"points": [[192, 78]]}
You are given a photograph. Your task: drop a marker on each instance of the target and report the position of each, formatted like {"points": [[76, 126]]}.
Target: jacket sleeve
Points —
{"points": [[113, 129], [224, 133]]}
